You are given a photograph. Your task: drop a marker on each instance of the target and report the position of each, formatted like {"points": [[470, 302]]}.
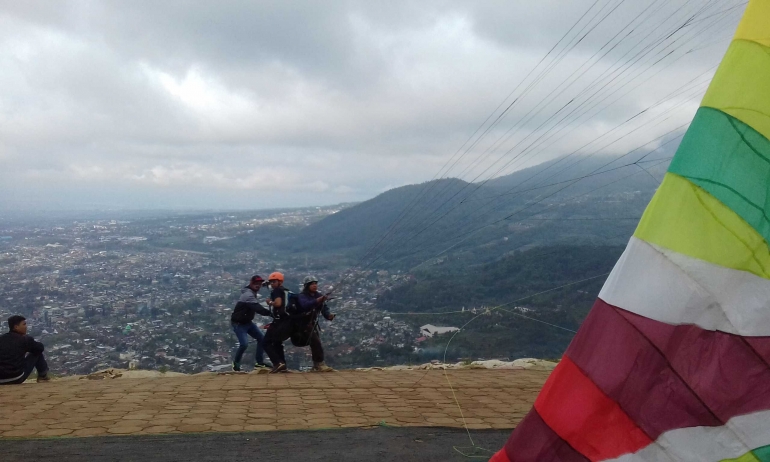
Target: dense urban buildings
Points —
{"points": [[121, 293]]}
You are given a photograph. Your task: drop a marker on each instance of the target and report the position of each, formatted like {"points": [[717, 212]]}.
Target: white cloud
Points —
{"points": [[318, 104]]}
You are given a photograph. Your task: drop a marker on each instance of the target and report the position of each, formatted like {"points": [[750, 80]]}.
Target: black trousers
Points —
{"points": [[284, 329], [31, 362]]}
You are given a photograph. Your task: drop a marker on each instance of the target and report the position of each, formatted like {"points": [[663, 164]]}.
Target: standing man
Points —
{"points": [[281, 301], [242, 321], [20, 354], [306, 332]]}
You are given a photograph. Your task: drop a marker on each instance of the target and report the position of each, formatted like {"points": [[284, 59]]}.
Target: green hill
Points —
{"points": [[533, 326], [447, 219]]}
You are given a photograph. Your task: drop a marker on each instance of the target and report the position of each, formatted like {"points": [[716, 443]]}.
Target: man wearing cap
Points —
{"points": [[242, 321]]}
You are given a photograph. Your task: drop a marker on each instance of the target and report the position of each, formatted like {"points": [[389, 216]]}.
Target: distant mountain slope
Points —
{"points": [[364, 223], [588, 200]]}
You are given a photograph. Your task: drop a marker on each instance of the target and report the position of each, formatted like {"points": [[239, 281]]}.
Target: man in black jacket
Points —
{"points": [[20, 354], [242, 320], [282, 326]]}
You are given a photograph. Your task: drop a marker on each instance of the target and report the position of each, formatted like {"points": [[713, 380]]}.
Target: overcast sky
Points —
{"points": [[252, 104]]}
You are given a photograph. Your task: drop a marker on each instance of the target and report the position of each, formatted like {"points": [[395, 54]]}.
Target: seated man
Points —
{"points": [[20, 354]]}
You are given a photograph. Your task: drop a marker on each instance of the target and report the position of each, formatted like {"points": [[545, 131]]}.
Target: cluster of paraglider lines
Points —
{"points": [[659, 38], [373, 256]]}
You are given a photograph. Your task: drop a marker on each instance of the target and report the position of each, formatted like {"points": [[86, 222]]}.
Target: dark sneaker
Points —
{"points": [[45, 378], [281, 367], [236, 367], [263, 366]]}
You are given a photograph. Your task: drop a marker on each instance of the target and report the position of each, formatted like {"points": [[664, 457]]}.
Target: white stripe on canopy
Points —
{"points": [[666, 286]]}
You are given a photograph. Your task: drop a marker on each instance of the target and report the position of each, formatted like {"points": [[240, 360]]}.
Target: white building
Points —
{"points": [[429, 330]]}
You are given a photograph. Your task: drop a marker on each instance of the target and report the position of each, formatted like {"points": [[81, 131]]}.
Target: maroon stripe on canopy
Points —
{"points": [[727, 372], [534, 441], [624, 365], [662, 376]]}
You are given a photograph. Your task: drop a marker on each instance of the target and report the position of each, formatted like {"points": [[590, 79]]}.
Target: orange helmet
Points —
{"points": [[275, 276]]}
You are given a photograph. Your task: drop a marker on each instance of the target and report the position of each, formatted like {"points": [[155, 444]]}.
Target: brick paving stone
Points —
{"points": [[497, 420], [290, 427], [226, 428], [503, 426], [89, 432], [258, 402], [410, 419], [196, 421], [194, 428], [228, 421], [442, 420], [20, 433], [162, 422], [124, 430], [158, 429], [258, 428], [138, 417], [90, 424], [66, 425], [479, 426], [54, 432]]}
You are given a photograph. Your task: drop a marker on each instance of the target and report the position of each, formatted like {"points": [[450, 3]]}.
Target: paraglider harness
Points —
{"points": [[289, 308], [304, 328]]}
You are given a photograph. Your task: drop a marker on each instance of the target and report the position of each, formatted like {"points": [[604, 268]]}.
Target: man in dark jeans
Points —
{"points": [[242, 321], [282, 327], [20, 354]]}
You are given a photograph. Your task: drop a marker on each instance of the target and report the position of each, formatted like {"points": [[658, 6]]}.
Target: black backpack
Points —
{"points": [[290, 304]]}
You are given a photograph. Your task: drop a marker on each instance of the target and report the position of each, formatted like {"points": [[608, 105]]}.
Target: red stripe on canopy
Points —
{"points": [[627, 367], [500, 456], [583, 416]]}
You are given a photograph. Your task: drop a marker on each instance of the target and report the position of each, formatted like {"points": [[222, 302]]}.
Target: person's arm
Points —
{"points": [[307, 302], [33, 346], [252, 305], [259, 309], [326, 312], [250, 298], [277, 304]]}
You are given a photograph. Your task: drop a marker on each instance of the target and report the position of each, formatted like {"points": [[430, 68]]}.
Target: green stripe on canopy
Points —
{"points": [[731, 161], [757, 455]]}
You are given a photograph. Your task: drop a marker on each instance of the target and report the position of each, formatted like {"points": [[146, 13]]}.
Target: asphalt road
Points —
{"points": [[379, 444]]}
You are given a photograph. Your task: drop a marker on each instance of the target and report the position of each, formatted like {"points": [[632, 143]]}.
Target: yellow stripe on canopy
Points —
{"points": [[685, 218], [755, 25], [741, 86]]}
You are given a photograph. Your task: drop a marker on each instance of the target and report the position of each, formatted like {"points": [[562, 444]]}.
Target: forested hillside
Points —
{"points": [[504, 332], [589, 201]]}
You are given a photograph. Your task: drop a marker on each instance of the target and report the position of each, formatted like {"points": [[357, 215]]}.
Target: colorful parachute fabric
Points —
{"points": [[673, 362]]}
